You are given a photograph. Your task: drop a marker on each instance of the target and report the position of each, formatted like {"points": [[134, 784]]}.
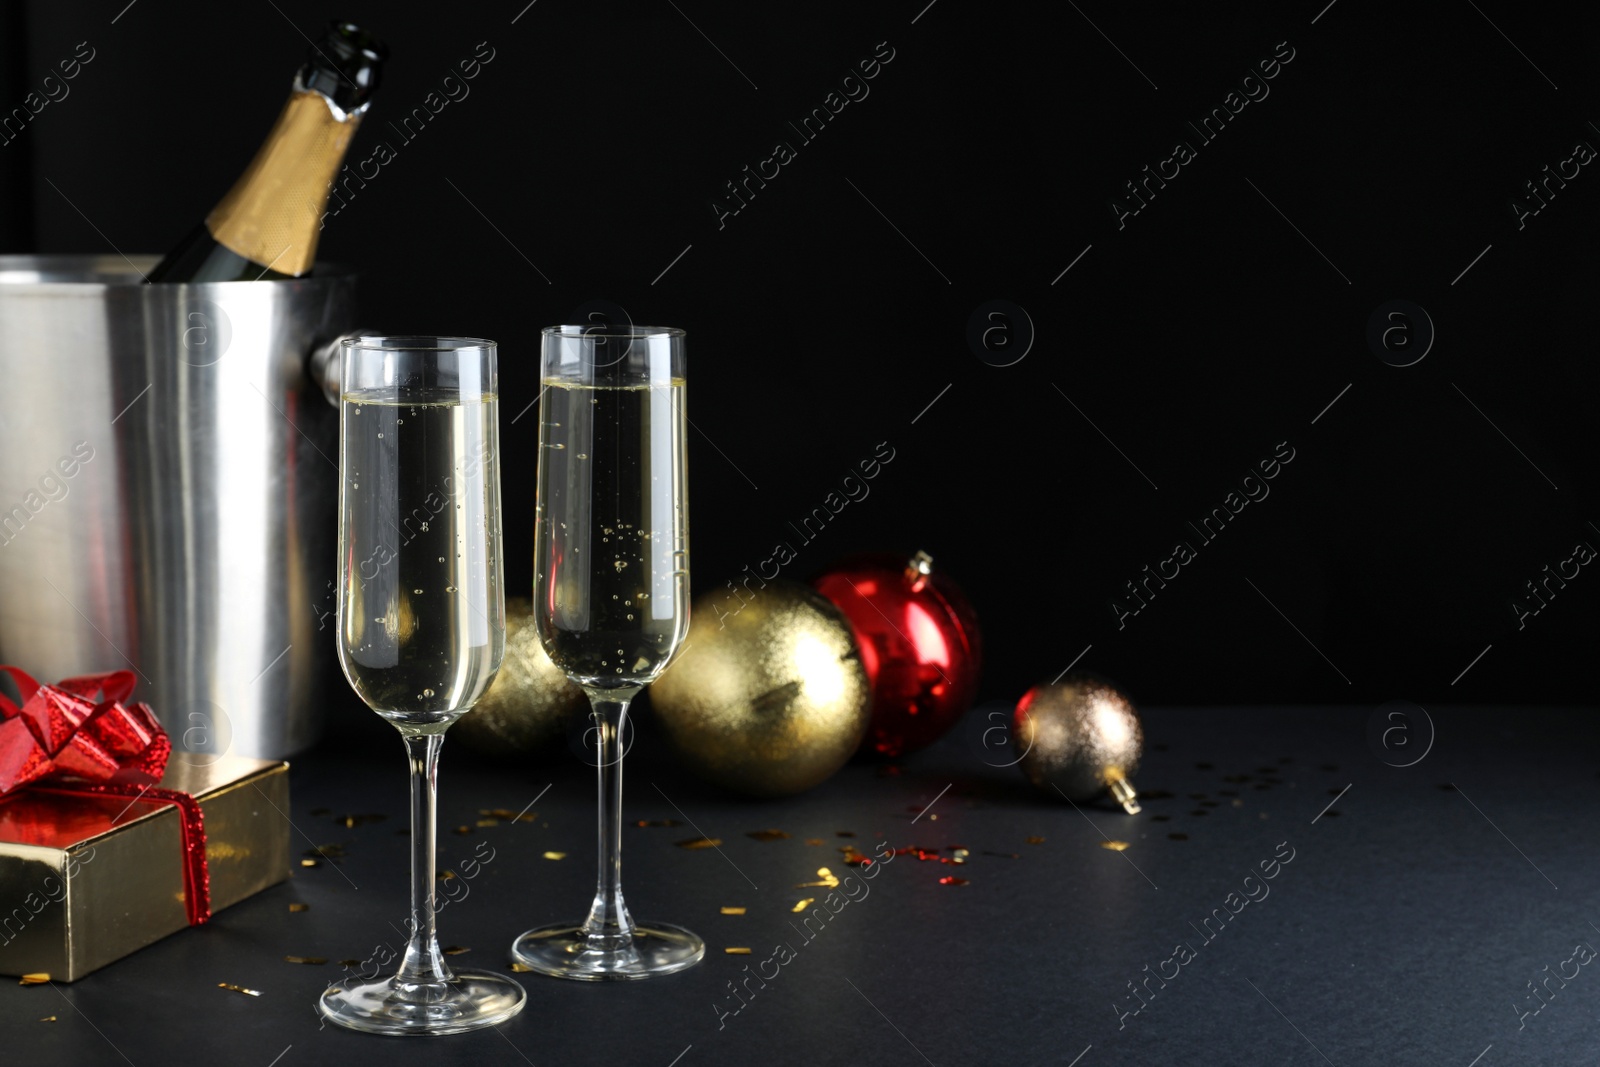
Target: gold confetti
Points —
{"points": [[310, 863], [959, 855], [456, 950], [498, 813], [732, 911], [700, 842], [35, 979], [767, 835], [299, 907], [934, 817], [326, 852], [802, 905], [852, 858], [815, 841], [1115, 846], [658, 822], [315, 961], [349, 963], [1035, 840], [463, 829], [555, 855], [445, 875], [737, 951], [352, 821], [230, 987], [488, 822], [521, 968], [829, 880], [48, 1019]]}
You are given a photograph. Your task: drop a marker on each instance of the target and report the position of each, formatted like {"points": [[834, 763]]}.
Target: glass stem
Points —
{"points": [[424, 964], [609, 926]]}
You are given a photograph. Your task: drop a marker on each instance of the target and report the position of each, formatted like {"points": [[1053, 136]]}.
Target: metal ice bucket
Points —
{"points": [[168, 486]]}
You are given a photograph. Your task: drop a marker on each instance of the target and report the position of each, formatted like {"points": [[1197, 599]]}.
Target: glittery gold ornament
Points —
{"points": [[768, 700], [1082, 737], [530, 704]]}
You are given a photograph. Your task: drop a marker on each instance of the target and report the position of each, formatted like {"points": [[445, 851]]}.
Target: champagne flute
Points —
{"points": [[611, 563], [421, 620]]}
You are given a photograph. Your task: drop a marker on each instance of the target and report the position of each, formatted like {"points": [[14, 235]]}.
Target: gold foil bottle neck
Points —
{"points": [[273, 213]]}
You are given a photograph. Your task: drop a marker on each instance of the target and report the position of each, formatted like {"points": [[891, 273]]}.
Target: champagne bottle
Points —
{"points": [[267, 225]]}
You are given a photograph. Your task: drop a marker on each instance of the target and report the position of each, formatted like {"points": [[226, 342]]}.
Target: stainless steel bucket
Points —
{"points": [[168, 486]]}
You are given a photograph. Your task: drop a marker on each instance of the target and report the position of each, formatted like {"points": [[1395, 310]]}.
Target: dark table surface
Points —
{"points": [[1405, 929]]}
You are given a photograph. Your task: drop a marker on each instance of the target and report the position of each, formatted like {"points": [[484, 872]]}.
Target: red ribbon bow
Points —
{"points": [[60, 732], [63, 739]]}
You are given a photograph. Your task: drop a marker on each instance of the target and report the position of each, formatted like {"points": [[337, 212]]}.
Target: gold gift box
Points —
{"points": [[85, 880]]}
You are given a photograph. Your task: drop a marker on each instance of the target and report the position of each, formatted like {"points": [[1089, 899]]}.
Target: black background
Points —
{"points": [[1195, 338]]}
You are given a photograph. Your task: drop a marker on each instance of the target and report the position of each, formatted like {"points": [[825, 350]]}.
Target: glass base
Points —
{"points": [[469, 1001], [564, 951]]}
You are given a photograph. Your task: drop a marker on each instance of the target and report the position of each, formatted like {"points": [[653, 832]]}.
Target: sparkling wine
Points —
{"points": [[612, 545], [421, 622], [266, 227]]}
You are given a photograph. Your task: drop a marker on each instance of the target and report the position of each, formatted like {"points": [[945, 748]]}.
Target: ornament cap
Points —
{"points": [[1123, 793], [918, 568]]}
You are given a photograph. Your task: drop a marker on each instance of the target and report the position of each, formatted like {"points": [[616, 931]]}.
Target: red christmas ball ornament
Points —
{"points": [[919, 641]]}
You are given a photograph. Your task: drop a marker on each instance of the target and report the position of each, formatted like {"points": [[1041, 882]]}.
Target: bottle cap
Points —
{"points": [[344, 65]]}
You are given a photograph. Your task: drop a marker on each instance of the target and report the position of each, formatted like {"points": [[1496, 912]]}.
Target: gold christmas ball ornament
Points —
{"points": [[769, 699], [530, 704], [1080, 736]]}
